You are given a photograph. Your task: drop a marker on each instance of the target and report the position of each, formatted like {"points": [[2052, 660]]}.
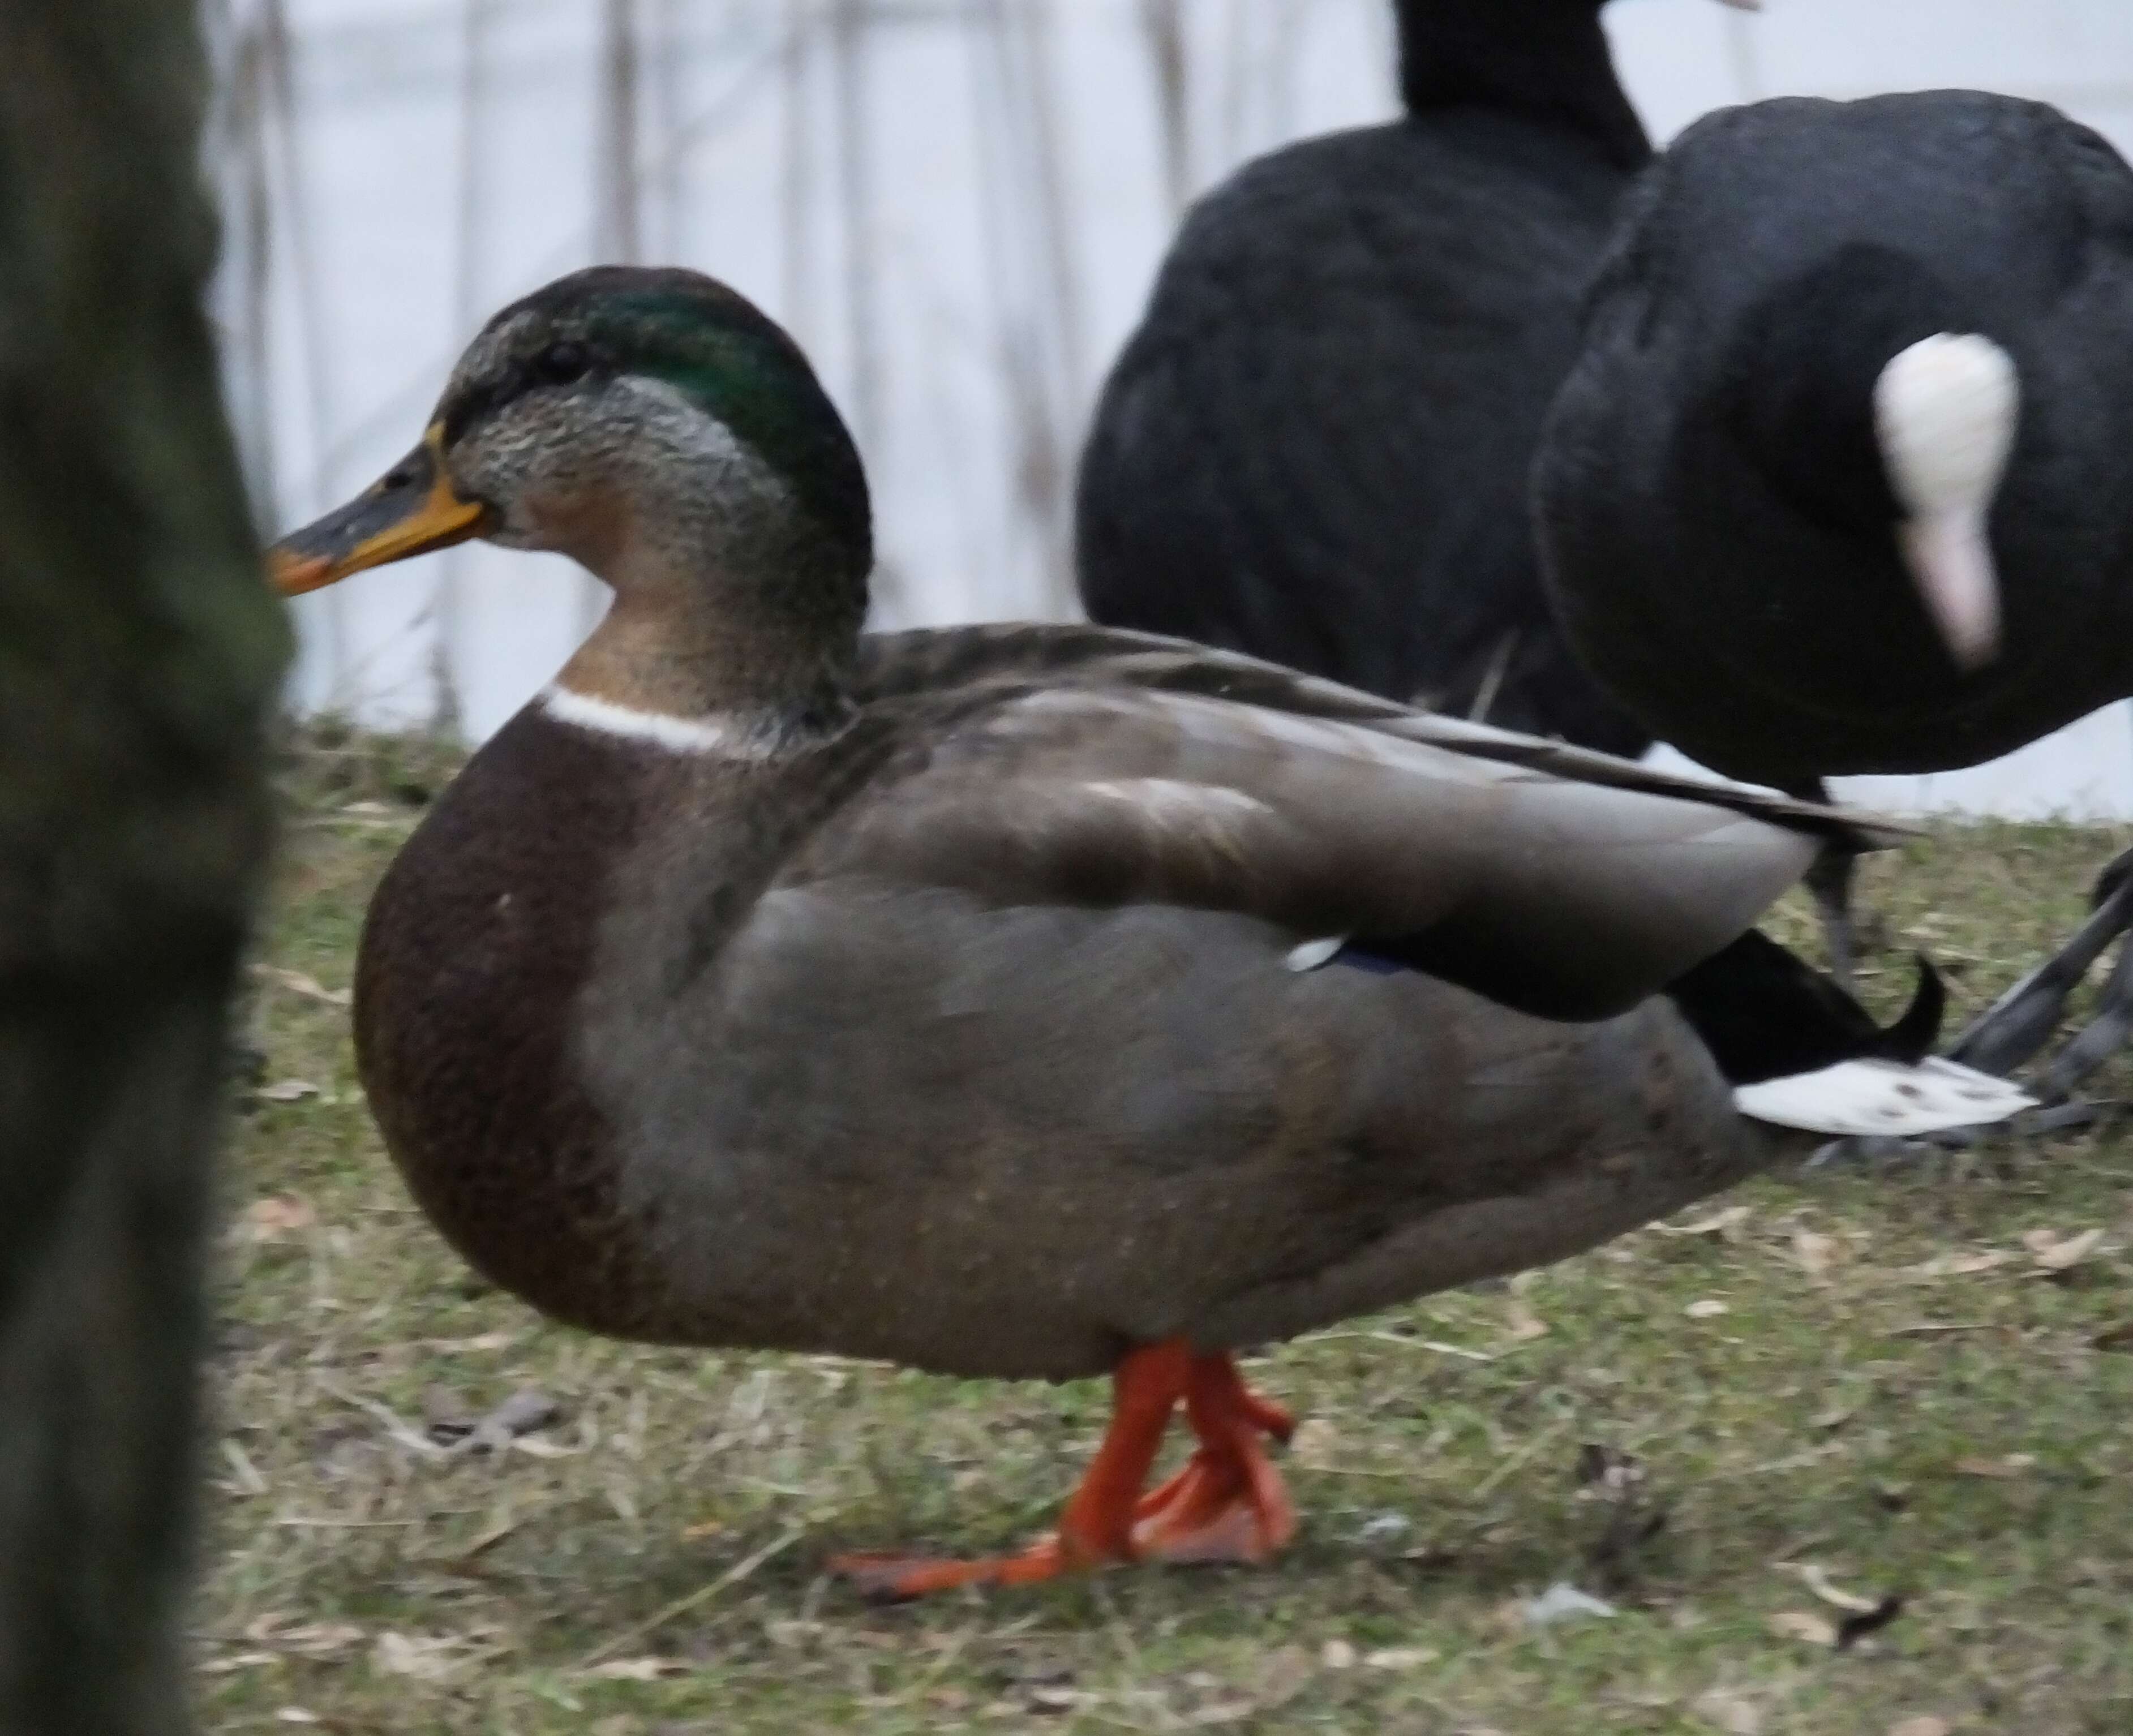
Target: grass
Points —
{"points": [[1900, 1393]]}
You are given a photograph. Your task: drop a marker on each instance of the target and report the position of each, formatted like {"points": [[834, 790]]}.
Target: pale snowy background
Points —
{"points": [[956, 205]]}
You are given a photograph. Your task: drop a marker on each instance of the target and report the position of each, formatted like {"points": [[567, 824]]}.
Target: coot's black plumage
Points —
{"points": [[1315, 447], [1716, 493]]}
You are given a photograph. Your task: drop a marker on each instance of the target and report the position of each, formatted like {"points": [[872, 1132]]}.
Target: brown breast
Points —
{"points": [[477, 942]]}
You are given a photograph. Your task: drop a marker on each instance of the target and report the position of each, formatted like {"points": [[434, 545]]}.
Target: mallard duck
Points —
{"points": [[1315, 447], [1020, 1001]]}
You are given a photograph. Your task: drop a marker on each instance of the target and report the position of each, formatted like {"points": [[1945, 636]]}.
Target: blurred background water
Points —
{"points": [[955, 205]]}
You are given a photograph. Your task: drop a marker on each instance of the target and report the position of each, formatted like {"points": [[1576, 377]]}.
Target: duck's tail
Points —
{"points": [[1764, 1014], [1802, 1053]]}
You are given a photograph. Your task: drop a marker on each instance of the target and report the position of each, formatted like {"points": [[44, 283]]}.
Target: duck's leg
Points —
{"points": [[1097, 1526], [2017, 1025], [1228, 1504], [1271, 1419], [2021, 1022], [2101, 1037], [1828, 879]]}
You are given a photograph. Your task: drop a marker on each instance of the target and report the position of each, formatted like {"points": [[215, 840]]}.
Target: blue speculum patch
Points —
{"points": [[1363, 958]]}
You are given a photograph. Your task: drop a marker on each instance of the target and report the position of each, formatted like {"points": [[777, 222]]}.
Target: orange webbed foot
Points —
{"points": [[1229, 1503], [1097, 1527], [897, 1577]]}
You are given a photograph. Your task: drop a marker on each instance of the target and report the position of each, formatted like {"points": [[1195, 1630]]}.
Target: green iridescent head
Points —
{"points": [[617, 405]]}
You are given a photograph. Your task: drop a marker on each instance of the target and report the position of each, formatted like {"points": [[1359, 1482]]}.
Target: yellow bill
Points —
{"points": [[411, 510]]}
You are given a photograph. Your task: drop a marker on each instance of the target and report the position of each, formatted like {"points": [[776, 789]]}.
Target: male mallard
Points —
{"points": [[970, 999]]}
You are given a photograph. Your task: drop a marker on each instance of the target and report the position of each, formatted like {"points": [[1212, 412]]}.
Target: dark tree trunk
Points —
{"points": [[138, 651]]}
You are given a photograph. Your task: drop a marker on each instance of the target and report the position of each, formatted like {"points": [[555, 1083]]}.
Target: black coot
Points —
{"points": [[1842, 479], [1315, 447]]}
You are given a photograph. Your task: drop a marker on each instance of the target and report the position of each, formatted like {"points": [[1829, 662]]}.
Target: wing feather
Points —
{"points": [[894, 665], [1561, 895]]}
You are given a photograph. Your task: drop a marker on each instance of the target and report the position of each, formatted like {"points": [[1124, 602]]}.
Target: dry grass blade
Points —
{"points": [[733, 1575], [2055, 1254], [1798, 1624], [1516, 1460], [297, 982], [1817, 1582], [397, 1427]]}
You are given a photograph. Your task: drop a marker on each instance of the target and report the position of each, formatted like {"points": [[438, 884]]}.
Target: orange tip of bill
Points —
{"points": [[293, 575]]}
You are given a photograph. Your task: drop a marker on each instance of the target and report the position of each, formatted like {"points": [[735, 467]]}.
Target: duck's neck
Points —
{"points": [[739, 618], [1547, 59]]}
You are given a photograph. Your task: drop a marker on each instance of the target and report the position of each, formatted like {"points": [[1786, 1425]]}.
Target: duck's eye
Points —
{"points": [[562, 363]]}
